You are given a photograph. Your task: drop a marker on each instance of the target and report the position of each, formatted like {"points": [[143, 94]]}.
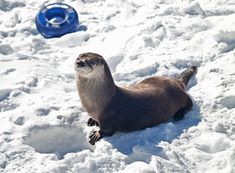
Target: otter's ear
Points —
{"points": [[102, 60]]}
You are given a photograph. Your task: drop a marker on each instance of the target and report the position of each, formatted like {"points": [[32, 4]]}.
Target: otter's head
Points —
{"points": [[90, 65]]}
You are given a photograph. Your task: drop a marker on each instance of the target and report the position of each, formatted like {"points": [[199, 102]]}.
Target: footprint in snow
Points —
{"points": [[5, 49], [8, 6], [228, 102], [59, 140]]}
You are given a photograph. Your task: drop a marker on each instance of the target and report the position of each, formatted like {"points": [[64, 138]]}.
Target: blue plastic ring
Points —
{"points": [[56, 20]]}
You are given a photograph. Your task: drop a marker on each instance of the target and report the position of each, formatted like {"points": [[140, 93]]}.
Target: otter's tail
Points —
{"points": [[187, 74]]}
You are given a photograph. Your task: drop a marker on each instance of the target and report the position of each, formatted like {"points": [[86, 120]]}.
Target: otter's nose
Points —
{"points": [[80, 63]]}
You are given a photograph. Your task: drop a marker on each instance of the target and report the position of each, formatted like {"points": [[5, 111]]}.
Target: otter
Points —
{"points": [[150, 102]]}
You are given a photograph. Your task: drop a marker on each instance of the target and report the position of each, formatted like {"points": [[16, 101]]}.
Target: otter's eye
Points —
{"points": [[92, 62]]}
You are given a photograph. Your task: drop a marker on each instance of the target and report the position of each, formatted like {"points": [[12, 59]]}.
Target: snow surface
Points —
{"points": [[42, 123]]}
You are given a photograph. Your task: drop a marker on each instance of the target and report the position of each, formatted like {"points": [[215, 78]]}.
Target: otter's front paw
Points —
{"points": [[94, 137], [92, 122]]}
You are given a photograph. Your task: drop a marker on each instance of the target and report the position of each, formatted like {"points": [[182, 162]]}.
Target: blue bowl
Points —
{"points": [[56, 20]]}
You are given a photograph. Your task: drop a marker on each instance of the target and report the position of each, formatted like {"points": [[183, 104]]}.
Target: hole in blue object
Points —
{"points": [[56, 16], [56, 19]]}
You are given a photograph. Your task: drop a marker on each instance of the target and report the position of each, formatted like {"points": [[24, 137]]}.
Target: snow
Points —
{"points": [[42, 122]]}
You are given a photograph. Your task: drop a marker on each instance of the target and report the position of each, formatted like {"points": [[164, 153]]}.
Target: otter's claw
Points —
{"points": [[94, 137], [92, 122]]}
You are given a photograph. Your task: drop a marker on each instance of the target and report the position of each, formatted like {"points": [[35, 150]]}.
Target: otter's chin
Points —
{"points": [[84, 70]]}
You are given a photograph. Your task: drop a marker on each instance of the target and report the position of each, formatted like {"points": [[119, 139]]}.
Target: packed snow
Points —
{"points": [[43, 124]]}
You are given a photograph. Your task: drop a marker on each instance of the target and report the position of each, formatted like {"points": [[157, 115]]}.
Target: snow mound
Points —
{"points": [[138, 167]]}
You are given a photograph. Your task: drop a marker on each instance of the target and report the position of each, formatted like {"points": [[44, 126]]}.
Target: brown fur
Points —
{"points": [[150, 102]]}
